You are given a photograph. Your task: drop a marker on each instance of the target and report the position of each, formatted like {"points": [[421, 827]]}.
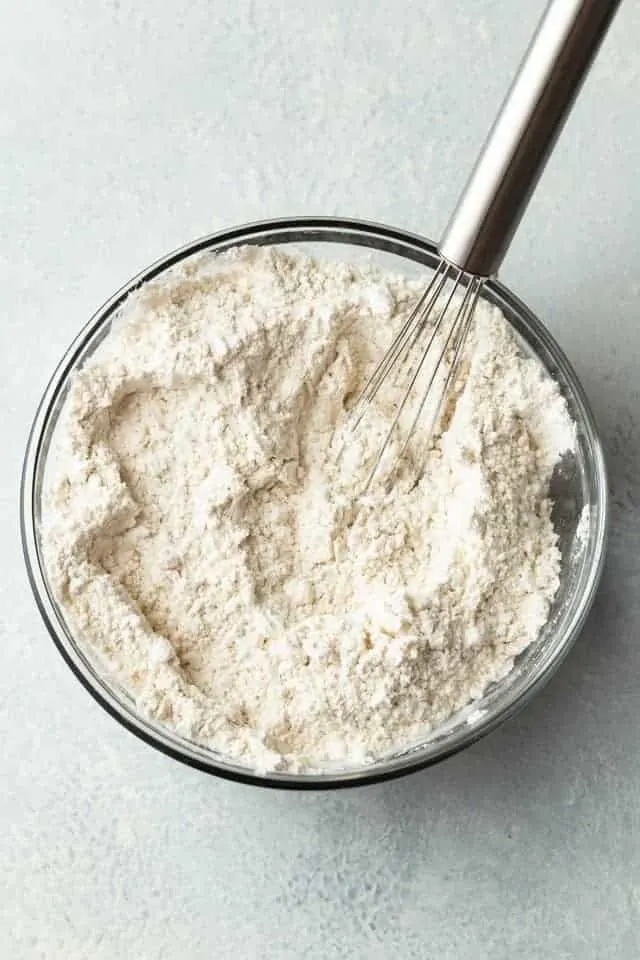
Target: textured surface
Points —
{"points": [[193, 479], [127, 130]]}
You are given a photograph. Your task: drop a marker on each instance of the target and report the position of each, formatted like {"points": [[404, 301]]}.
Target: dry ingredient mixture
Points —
{"points": [[205, 540]]}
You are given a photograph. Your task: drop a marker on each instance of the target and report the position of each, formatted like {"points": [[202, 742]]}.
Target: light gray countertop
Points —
{"points": [[128, 129]]}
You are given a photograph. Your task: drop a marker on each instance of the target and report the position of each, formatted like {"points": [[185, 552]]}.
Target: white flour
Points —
{"points": [[203, 540]]}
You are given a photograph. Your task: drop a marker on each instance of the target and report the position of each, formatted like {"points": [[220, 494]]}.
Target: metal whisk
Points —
{"points": [[426, 353]]}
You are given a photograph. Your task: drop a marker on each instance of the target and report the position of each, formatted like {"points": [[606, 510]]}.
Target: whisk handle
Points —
{"points": [[524, 133]]}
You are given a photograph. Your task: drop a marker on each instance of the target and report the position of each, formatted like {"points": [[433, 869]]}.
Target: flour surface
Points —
{"points": [[205, 540]]}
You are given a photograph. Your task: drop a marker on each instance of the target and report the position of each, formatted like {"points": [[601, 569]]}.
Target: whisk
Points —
{"points": [[425, 355]]}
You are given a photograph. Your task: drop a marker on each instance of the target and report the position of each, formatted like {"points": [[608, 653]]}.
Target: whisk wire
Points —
{"points": [[450, 272], [424, 319], [379, 375], [458, 333]]}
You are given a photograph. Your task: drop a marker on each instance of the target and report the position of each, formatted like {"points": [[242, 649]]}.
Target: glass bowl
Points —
{"points": [[579, 481]]}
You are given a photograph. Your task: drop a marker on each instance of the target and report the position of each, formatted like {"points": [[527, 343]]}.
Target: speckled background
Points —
{"points": [[128, 129]]}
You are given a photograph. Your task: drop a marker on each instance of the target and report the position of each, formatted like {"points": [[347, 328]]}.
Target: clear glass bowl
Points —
{"points": [[580, 481]]}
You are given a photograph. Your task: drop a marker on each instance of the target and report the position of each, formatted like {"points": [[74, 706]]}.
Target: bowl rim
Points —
{"points": [[274, 231]]}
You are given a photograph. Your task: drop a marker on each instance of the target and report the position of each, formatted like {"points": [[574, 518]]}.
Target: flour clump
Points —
{"points": [[205, 542]]}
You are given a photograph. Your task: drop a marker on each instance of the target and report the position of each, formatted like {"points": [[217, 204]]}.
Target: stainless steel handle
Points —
{"points": [[524, 133]]}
